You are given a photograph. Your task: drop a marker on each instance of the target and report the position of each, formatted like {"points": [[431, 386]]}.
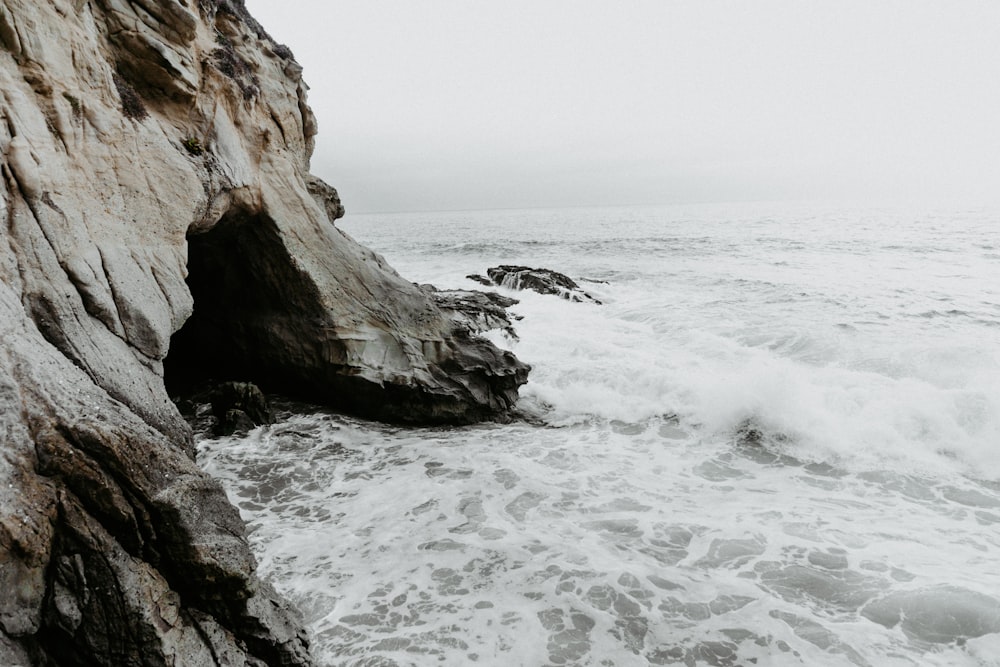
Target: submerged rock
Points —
{"points": [[543, 281], [160, 222]]}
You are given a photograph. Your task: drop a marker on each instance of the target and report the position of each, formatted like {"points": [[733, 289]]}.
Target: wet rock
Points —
{"points": [[232, 422], [759, 443], [239, 407], [749, 433], [543, 281], [477, 311], [482, 280]]}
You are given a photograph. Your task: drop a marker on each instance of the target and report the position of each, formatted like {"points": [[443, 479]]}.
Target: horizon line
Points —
{"points": [[872, 202]]}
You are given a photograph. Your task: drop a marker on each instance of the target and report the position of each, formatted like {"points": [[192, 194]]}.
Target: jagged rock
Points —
{"points": [[239, 407], [749, 433], [326, 197], [477, 311], [115, 548], [482, 280], [110, 536], [543, 281]]}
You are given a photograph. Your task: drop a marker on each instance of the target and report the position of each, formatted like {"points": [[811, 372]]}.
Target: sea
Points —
{"points": [[776, 441]]}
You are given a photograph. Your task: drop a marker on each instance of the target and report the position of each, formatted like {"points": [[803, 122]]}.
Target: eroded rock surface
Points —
{"points": [[154, 159], [477, 311], [543, 281]]}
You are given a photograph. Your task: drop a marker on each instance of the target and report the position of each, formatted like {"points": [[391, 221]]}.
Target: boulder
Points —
{"points": [[239, 407]]}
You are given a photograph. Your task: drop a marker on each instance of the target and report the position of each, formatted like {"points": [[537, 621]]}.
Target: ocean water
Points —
{"points": [[776, 442]]}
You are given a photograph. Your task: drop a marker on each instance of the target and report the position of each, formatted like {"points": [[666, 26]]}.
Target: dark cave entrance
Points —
{"points": [[259, 317], [249, 303]]}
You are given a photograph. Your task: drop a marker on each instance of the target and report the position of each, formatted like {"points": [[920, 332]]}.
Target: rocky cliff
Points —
{"points": [[161, 228]]}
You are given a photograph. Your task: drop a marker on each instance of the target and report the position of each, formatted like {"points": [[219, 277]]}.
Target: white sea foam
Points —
{"points": [[777, 440], [908, 408]]}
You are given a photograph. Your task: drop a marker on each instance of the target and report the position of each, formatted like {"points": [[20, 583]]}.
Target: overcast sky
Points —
{"points": [[466, 104]]}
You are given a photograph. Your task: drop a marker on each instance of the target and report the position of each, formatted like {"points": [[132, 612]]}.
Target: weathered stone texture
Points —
{"points": [[154, 161]]}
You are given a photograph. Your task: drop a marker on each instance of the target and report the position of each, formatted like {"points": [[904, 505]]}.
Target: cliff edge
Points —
{"points": [[161, 228]]}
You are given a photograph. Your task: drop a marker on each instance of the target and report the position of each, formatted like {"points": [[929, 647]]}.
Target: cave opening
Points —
{"points": [[259, 317], [249, 302]]}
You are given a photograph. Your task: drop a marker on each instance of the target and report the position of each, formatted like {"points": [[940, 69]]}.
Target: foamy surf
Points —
{"points": [[915, 410], [762, 449], [615, 541]]}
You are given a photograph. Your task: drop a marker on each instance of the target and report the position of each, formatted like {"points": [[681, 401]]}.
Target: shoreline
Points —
{"points": [[162, 222]]}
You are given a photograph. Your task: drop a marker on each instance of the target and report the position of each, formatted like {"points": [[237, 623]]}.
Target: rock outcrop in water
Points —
{"points": [[477, 311], [543, 281], [238, 407], [159, 220]]}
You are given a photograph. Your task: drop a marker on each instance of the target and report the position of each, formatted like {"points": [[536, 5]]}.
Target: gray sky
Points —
{"points": [[464, 104]]}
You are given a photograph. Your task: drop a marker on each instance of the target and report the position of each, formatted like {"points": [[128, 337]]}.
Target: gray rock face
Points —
{"points": [[478, 312], [159, 219]]}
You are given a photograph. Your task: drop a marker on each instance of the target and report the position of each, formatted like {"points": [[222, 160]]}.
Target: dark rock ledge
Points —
{"points": [[160, 226], [543, 281], [476, 311]]}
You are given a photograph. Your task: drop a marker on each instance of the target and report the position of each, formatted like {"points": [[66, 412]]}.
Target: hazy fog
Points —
{"points": [[445, 104]]}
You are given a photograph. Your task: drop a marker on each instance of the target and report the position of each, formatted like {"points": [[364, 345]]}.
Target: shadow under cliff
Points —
{"points": [[248, 298]]}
